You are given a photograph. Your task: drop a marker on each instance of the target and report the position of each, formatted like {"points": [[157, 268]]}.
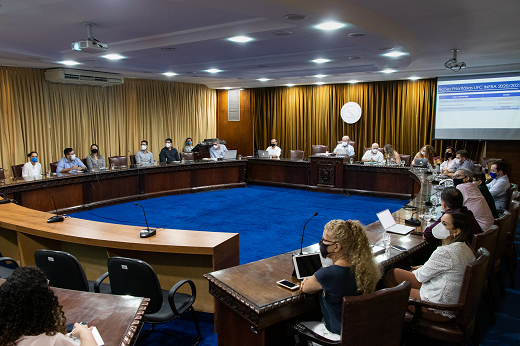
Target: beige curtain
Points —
{"points": [[24, 125]]}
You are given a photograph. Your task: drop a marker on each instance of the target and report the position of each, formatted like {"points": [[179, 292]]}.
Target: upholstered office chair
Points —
{"points": [[17, 170], [118, 161], [187, 156], [515, 195], [297, 154], [318, 149], [64, 271], [132, 160], [463, 326], [2, 173], [54, 166], [487, 240], [371, 319], [504, 227], [510, 256], [7, 266], [84, 161], [137, 278], [405, 159]]}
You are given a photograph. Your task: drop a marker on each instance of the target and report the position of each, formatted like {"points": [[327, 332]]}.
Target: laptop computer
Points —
{"points": [[420, 163], [341, 152], [230, 155], [263, 154], [389, 224]]}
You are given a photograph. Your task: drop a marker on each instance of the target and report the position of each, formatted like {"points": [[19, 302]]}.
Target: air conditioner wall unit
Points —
{"points": [[70, 76]]}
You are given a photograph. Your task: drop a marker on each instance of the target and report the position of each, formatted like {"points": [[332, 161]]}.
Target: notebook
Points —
{"points": [[389, 224], [230, 155]]}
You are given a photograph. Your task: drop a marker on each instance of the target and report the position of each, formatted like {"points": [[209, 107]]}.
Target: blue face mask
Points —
{"points": [[34, 159], [189, 143], [493, 175]]}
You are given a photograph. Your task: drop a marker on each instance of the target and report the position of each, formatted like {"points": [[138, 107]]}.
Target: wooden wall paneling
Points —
{"points": [[237, 134], [297, 175], [509, 151], [215, 176], [65, 196], [29, 244], [109, 189], [167, 181], [9, 244]]}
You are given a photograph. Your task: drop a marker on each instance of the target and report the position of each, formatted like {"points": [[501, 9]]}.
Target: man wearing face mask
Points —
{"points": [[274, 150], [345, 145], [464, 162], [169, 153], [217, 150], [189, 145], [143, 156], [452, 200], [70, 163], [499, 186], [373, 155], [473, 198], [32, 169]]}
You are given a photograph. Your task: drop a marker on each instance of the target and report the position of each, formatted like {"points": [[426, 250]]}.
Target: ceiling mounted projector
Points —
{"points": [[90, 45], [452, 64]]}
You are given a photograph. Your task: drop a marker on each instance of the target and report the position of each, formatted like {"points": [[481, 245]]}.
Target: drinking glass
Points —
{"points": [[48, 173], [351, 160], [386, 240], [112, 166], [427, 217]]}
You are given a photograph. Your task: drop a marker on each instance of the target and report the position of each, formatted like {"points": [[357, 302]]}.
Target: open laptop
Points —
{"points": [[230, 155], [341, 152], [420, 163], [263, 154], [389, 224]]}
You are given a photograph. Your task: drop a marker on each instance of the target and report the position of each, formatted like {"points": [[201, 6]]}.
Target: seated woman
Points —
{"points": [[439, 280], [353, 272], [189, 145], [391, 153], [30, 314], [32, 169], [428, 152], [449, 160], [95, 161]]}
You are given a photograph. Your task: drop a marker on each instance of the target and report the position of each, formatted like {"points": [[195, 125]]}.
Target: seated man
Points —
{"points": [[473, 198], [70, 163], [373, 155], [189, 145], [452, 199], [499, 186], [274, 150], [217, 150], [479, 180], [169, 153], [345, 145], [464, 163], [143, 156]]}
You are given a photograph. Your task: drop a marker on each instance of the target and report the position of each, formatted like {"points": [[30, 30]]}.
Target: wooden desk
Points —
{"points": [[174, 254], [117, 318], [252, 308]]}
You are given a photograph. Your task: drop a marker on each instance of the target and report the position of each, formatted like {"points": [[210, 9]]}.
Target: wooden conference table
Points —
{"points": [[118, 319]]}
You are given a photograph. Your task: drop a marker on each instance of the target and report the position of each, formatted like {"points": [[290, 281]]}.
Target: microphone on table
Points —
{"points": [[5, 200], [146, 232], [303, 232], [412, 221], [57, 217]]}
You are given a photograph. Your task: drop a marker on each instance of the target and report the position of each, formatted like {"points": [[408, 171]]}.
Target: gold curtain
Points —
{"points": [[397, 112], [24, 124], [155, 110]]}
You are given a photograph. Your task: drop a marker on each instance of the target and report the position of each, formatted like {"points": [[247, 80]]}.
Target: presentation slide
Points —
{"points": [[478, 107]]}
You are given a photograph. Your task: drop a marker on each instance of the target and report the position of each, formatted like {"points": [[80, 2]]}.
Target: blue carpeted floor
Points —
{"points": [[269, 221]]}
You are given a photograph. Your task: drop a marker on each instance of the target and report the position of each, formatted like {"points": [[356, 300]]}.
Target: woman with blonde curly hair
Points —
{"points": [[352, 273], [428, 152]]}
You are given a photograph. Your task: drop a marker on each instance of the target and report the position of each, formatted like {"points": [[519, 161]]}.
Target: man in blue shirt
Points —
{"points": [[217, 150], [464, 163], [70, 163]]}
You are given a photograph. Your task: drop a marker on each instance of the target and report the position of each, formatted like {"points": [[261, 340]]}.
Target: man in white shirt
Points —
{"points": [[33, 169], [217, 150], [274, 150], [373, 155], [345, 145], [499, 186]]}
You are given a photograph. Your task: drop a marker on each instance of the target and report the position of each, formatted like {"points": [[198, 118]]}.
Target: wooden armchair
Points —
{"points": [[117, 161], [318, 149], [510, 255], [504, 227], [297, 154], [17, 170]]}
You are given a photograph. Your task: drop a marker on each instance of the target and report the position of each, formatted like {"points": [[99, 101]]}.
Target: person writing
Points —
{"points": [[95, 161], [217, 150], [274, 150], [143, 156], [70, 163], [345, 145], [373, 155], [391, 153], [33, 169], [352, 273], [189, 145], [169, 153], [499, 186], [30, 313]]}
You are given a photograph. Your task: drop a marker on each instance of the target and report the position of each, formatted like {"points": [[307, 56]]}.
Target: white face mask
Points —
{"points": [[143, 147], [345, 144], [440, 232], [73, 157], [215, 146], [423, 153], [168, 145], [374, 151]]}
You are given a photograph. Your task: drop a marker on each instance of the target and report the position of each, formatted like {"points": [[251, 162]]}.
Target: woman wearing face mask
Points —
{"points": [[449, 160], [428, 152], [95, 161], [439, 280], [352, 273], [32, 169], [189, 145]]}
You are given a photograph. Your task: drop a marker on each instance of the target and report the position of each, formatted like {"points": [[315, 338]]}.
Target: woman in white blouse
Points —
{"points": [[449, 160], [439, 280], [32, 169]]}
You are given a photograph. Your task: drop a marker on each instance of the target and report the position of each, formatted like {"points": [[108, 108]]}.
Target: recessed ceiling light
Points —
{"points": [[394, 54], [388, 70], [356, 34], [330, 26], [240, 39], [321, 75], [170, 74], [319, 83], [353, 81], [213, 70], [69, 62], [289, 85], [263, 79], [295, 16], [113, 57], [414, 78], [320, 61]]}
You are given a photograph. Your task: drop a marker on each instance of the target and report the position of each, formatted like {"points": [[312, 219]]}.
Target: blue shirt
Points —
{"points": [[467, 164], [499, 189], [217, 153], [65, 163], [337, 282]]}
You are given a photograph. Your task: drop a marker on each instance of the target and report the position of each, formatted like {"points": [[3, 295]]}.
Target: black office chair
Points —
{"points": [[64, 271], [137, 278], [7, 269]]}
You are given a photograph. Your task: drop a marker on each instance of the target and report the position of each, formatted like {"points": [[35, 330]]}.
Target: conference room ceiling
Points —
{"points": [[188, 37]]}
